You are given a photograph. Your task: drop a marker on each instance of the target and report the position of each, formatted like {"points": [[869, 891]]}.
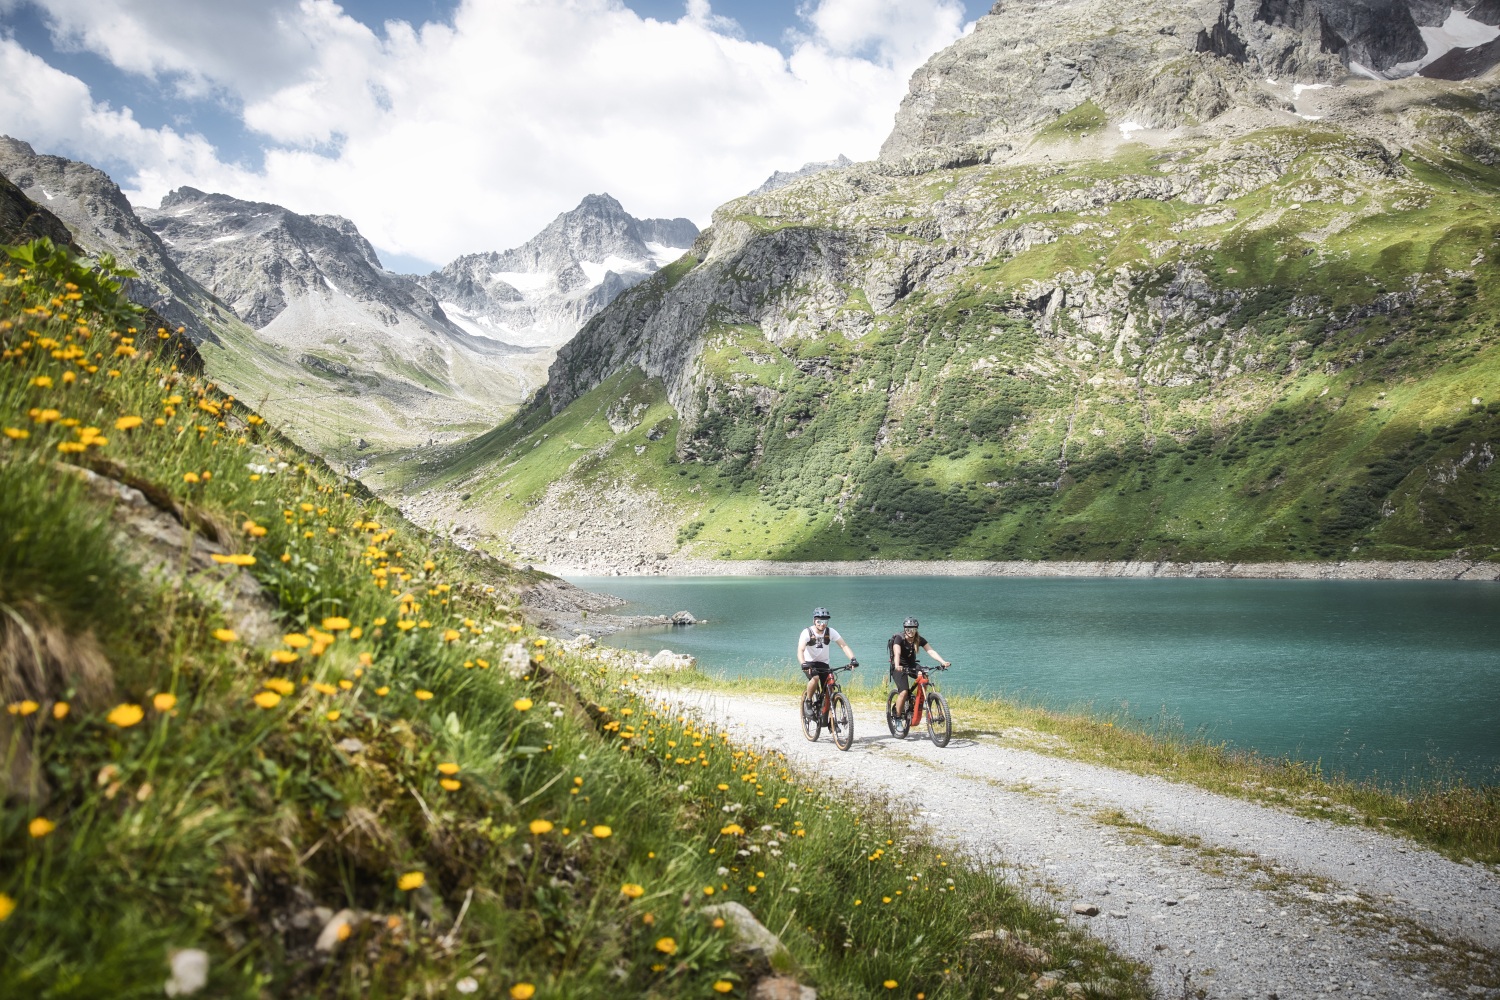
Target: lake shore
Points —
{"points": [[1444, 569]]}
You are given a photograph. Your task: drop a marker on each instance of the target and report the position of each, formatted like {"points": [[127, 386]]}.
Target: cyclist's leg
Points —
{"points": [[903, 686], [810, 669]]}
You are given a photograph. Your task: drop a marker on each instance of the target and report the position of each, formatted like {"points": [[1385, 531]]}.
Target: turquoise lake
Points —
{"points": [[1386, 680]]}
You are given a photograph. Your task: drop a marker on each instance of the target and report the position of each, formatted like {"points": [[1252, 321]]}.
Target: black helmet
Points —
{"points": [[821, 614], [909, 623]]}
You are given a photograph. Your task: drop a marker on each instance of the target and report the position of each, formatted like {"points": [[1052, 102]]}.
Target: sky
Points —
{"points": [[444, 127]]}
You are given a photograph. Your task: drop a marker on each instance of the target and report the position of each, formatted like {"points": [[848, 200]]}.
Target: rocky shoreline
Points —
{"points": [[1444, 569]]}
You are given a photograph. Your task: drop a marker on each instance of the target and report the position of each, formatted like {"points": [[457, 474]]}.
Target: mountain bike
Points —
{"points": [[922, 699], [830, 708]]}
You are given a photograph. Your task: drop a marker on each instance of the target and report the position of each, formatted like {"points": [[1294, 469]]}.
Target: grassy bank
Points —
{"points": [[255, 719], [1459, 820]]}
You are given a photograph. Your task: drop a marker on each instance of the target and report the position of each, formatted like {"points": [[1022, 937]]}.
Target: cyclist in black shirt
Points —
{"points": [[903, 647]]}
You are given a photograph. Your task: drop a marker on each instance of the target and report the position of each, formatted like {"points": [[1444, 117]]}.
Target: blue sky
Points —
{"points": [[451, 126]]}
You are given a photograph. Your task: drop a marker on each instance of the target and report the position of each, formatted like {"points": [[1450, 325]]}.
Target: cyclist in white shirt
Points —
{"points": [[812, 651]]}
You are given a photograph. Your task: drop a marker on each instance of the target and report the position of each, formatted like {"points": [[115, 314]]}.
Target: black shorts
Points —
{"points": [[812, 670], [902, 678]]}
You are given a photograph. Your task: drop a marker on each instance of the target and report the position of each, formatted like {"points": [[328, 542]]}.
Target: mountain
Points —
{"points": [[372, 347], [541, 292], [97, 213], [782, 178], [352, 371], [1129, 280]]}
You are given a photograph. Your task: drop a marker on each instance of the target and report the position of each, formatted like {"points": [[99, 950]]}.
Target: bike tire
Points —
{"points": [[841, 722], [897, 724], [812, 725], [939, 722]]}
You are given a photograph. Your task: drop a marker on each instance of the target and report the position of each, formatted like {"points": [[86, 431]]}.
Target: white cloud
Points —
{"points": [[450, 138]]}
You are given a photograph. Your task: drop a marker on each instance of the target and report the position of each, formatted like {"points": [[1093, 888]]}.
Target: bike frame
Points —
{"points": [[917, 696], [826, 687]]}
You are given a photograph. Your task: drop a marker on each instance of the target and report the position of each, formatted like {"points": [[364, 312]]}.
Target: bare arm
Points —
{"points": [[935, 654], [801, 646], [845, 647]]}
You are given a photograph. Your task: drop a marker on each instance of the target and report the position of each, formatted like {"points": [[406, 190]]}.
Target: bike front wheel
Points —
{"points": [[897, 723], [812, 719], [939, 722], [841, 722]]}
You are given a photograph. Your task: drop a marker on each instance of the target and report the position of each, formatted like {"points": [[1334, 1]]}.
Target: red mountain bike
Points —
{"points": [[922, 699], [830, 708]]}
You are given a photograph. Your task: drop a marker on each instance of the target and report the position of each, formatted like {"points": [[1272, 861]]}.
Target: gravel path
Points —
{"points": [[1215, 894]]}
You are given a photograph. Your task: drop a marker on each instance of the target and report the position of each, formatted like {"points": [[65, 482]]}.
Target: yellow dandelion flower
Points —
{"points": [[281, 685], [423, 695], [42, 381], [406, 624], [378, 622], [541, 826], [410, 881], [723, 787], [17, 433], [284, 656], [60, 710], [522, 704], [448, 767], [335, 624], [323, 688], [296, 640], [366, 659], [632, 891], [125, 716], [602, 832], [515, 628], [451, 784], [7, 907], [451, 635], [890, 984], [267, 699], [666, 946], [708, 890], [382, 691], [22, 707], [226, 635], [723, 986], [128, 423], [732, 830], [164, 702], [40, 827], [332, 716], [190, 477], [522, 991]]}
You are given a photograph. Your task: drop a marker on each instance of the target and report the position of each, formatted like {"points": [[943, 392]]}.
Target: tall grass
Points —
{"points": [[402, 745]]}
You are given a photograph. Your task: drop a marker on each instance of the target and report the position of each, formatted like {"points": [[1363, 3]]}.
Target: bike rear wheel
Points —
{"points": [[841, 721], [939, 722], [897, 724], [812, 718]]}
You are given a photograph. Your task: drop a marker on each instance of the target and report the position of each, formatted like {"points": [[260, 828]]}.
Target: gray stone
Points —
{"points": [[750, 935]]}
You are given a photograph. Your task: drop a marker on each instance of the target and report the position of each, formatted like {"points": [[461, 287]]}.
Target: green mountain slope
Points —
{"points": [[1272, 343]]}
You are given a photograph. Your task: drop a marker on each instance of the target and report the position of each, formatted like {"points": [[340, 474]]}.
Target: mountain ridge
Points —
{"points": [[1105, 340]]}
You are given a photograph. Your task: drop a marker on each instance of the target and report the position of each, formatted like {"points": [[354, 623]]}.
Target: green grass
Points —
{"points": [[202, 790]]}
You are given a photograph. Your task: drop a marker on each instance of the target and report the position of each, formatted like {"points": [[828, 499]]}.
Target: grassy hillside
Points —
{"points": [[1301, 365], [255, 719]]}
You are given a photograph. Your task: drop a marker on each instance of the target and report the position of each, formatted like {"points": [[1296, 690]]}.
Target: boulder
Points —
{"points": [[666, 660], [751, 937]]}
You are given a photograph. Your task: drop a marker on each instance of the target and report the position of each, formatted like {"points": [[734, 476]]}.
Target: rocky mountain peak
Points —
{"points": [[100, 217], [782, 178], [1159, 65], [259, 257], [542, 291]]}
